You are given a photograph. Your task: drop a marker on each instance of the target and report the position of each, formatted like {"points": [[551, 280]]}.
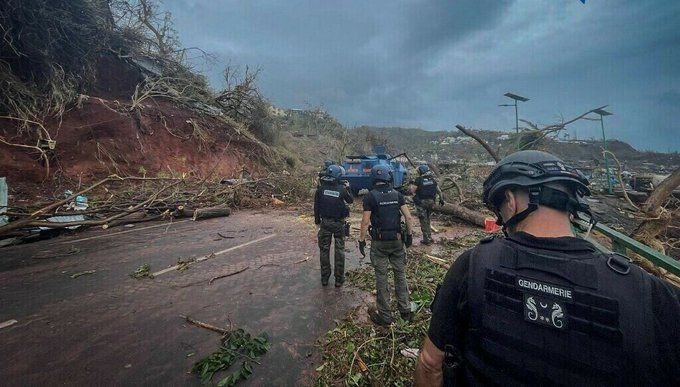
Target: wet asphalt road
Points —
{"points": [[107, 328]]}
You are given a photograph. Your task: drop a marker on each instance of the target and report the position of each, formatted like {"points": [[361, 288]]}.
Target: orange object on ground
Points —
{"points": [[490, 225]]}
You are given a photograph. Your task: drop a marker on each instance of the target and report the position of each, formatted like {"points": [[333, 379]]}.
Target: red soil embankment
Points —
{"points": [[100, 137]]}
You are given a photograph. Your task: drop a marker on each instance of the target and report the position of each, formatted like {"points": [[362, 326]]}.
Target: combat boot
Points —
{"points": [[406, 316], [378, 320]]}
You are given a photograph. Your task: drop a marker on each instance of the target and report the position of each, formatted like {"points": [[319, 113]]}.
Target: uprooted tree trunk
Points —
{"points": [[657, 216], [462, 213], [211, 212]]}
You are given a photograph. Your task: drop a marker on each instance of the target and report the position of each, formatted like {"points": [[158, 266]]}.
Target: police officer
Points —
{"points": [[541, 306], [324, 168], [383, 208], [330, 212], [426, 190]]}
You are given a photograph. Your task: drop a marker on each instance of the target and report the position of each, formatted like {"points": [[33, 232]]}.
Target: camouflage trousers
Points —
{"points": [[332, 229], [423, 211], [383, 255]]}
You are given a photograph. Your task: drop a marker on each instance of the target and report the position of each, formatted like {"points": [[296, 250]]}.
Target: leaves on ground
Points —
{"points": [[358, 353], [143, 271], [238, 346]]}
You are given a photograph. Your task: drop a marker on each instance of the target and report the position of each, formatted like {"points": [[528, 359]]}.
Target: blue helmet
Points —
{"points": [[335, 171], [423, 169], [381, 173]]}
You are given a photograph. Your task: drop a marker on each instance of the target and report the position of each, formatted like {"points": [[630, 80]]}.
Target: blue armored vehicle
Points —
{"points": [[358, 169]]}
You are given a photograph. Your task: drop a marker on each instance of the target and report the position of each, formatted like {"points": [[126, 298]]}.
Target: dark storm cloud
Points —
{"points": [[431, 64]]}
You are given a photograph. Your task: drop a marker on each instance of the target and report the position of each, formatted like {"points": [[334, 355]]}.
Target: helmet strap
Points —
{"points": [[534, 200], [549, 197]]}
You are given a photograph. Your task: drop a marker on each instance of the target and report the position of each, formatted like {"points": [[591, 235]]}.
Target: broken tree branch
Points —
{"points": [[207, 326], [479, 140], [620, 177], [228, 274]]}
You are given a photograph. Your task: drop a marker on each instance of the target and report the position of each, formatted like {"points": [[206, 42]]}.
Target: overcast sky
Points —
{"points": [[432, 64]]}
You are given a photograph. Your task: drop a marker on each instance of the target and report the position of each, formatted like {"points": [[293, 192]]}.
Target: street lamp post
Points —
{"points": [[602, 114], [515, 98]]}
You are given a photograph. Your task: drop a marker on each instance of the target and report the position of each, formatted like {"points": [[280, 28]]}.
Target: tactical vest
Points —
{"points": [[544, 317], [386, 220], [426, 188], [331, 204]]}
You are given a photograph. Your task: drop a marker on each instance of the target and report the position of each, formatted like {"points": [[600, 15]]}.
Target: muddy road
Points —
{"points": [[107, 328]]}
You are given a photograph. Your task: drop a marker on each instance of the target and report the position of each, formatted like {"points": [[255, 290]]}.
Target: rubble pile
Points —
{"points": [[118, 200]]}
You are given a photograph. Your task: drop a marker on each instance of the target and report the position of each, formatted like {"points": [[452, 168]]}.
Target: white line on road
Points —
{"points": [[203, 258], [123, 232]]}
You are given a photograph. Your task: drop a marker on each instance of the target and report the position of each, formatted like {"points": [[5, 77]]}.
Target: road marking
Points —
{"points": [[123, 232], [203, 258], [8, 323]]}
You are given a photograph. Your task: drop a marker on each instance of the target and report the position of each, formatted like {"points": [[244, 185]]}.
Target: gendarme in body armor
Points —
{"points": [[426, 191], [330, 212], [383, 209], [524, 310], [542, 307]]}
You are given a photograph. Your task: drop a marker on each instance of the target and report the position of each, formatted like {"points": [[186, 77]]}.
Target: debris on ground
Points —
{"points": [[183, 264], [227, 274], [207, 326], [8, 323], [355, 337], [411, 353], [117, 200], [144, 271], [82, 273], [236, 346]]}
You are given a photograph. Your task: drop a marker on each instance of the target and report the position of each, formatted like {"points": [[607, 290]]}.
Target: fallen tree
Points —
{"points": [[117, 200], [462, 213]]}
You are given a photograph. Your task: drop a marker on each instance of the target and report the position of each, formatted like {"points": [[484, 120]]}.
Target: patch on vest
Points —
{"points": [[328, 192], [428, 182], [542, 287], [544, 311], [388, 203]]}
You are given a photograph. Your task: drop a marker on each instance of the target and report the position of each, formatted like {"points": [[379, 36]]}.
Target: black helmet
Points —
{"points": [[423, 169], [532, 169], [381, 173]]}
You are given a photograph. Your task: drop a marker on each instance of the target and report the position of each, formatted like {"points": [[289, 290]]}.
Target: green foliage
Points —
{"points": [[236, 346], [355, 340], [143, 271]]}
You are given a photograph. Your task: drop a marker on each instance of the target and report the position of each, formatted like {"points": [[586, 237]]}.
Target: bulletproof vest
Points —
{"points": [[543, 317], [331, 204], [426, 188], [386, 220]]}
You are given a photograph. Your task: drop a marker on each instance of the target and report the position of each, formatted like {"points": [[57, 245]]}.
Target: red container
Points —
{"points": [[490, 225]]}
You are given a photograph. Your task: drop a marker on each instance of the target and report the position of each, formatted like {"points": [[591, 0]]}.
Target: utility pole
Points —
{"points": [[602, 114], [515, 98]]}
